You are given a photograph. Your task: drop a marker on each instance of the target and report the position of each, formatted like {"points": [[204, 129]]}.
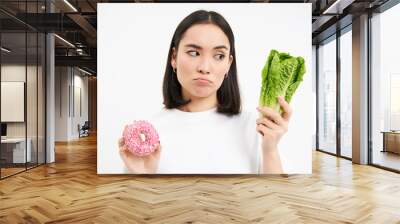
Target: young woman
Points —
{"points": [[202, 127]]}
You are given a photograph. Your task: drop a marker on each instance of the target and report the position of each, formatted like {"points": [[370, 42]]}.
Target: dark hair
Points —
{"points": [[228, 95]]}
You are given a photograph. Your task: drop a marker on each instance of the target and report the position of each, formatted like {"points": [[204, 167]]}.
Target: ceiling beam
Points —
{"points": [[85, 25], [85, 61]]}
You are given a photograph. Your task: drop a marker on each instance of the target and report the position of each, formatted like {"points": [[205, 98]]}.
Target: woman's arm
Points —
{"points": [[271, 162], [272, 126]]}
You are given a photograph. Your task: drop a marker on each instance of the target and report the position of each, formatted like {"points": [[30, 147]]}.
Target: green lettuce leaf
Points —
{"points": [[281, 76]]}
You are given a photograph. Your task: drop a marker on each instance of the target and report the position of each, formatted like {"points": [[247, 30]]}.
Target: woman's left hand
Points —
{"points": [[273, 125]]}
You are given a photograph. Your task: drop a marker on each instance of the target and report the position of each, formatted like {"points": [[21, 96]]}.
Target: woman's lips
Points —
{"points": [[203, 82]]}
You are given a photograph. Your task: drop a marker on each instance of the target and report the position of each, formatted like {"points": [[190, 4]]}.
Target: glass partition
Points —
{"points": [[41, 85], [22, 77], [13, 110], [31, 100]]}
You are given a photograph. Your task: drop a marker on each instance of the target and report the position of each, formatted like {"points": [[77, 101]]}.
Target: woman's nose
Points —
{"points": [[204, 66]]}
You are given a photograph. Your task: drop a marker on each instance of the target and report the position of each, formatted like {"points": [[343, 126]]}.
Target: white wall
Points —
{"points": [[61, 103], [80, 83], [67, 117]]}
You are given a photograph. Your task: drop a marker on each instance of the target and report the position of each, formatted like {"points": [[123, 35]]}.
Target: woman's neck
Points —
{"points": [[200, 104]]}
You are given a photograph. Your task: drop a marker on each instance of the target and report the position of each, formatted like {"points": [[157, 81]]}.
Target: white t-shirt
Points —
{"points": [[208, 142]]}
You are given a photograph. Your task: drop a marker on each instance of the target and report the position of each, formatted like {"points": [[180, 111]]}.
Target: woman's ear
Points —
{"points": [[173, 58]]}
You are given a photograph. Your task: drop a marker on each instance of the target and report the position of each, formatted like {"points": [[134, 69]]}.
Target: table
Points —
{"points": [[391, 141], [17, 150]]}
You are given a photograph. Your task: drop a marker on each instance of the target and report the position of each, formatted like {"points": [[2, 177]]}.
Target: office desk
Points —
{"points": [[16, 147], [391, 141]]}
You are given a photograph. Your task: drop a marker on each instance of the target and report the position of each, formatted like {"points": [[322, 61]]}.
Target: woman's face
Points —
{"points": [[202, 60]]}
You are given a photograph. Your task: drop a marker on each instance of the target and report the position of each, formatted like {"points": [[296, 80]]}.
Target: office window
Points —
{"points": [[385, 87], [346, 93], [327, 96]]}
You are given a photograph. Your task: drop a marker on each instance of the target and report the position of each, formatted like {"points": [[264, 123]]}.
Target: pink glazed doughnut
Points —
{"points": [[141, 138]]}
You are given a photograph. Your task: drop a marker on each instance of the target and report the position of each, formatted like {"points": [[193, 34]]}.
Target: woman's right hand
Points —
{"points": [[136, 164]]}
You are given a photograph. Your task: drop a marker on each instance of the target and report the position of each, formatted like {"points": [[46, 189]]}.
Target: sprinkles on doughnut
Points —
{"points": [[141, 138]]}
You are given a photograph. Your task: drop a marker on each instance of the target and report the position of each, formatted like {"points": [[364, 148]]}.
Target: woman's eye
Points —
{"points": [[193, 53], [220, 57]]}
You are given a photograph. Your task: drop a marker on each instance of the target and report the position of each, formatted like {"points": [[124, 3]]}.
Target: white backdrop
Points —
{"points": [[133, 42]]}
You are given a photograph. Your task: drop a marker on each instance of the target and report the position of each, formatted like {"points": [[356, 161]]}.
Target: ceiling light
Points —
{"points": [[338, 6], [5, 50], [70, 5], [86, 72], [64, 40]]}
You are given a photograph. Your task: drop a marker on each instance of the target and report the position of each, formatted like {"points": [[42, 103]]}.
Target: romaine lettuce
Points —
{"points": [[281, 76]]}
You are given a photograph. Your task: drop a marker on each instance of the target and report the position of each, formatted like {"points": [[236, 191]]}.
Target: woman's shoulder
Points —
{"points": [[162, 112], [162, 115]]}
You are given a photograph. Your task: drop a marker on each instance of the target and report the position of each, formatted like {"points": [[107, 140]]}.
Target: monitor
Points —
{"points": [[3, 129]]}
